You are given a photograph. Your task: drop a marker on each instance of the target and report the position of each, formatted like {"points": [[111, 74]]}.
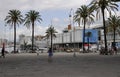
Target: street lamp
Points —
{"points": [[72, 15]]}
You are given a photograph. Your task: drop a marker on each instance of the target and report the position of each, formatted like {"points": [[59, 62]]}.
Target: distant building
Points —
{"points": [[25, 39], [71, 38], [74, 37], [109, 36], [39, 40], [3, 41], [38, 37]]}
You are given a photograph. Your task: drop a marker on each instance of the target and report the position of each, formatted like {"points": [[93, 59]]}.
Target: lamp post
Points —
{"points": [[72, 15]]}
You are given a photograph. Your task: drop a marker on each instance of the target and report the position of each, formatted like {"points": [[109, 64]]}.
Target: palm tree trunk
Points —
{"points": [[105, 40], [114, 39], [84, 35], [32, 35], [51, 40], [14, 37]]}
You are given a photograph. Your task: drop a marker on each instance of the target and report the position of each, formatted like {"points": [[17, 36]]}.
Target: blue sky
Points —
{"points": [[56, 11]]}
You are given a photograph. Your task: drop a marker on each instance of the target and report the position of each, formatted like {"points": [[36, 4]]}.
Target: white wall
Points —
{"points": [[77, 37], [66, 37], [69, 37], [58, 38]]}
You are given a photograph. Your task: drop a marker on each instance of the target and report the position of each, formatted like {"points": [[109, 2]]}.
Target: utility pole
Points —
{"points": [[72, 15]]}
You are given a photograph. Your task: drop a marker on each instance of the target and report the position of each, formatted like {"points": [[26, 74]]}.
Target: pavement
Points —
{"points": [[62, 65]]}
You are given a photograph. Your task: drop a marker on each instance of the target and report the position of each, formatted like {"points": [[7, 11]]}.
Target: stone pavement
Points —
{"points": [[62, 65]]}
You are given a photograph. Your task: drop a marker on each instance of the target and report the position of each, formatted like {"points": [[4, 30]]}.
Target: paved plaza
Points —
{"points": [[62, 65]]}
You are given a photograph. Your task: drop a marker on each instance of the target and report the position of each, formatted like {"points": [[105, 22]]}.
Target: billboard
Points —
{"points": [[92, 35]]}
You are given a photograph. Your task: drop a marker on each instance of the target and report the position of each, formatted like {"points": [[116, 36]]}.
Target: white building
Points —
{"points": [[110, 37], [3, 41], [38, 41], [73, 38], [25, 39]]}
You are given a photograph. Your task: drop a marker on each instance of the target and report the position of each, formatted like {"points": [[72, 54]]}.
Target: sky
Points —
{"points": [[55, 12]]}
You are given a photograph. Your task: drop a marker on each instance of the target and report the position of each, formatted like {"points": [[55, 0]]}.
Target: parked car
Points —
{"points": [[69, 50]]}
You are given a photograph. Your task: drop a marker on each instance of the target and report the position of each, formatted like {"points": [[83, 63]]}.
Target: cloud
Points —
{"points": [[59, 21], [53, 4], [55, 20], [6, 5], [40, 30], [9, 32]]}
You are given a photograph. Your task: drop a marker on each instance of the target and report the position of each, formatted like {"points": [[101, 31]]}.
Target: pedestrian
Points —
{"points": [[110, 50], [50, 54], [3, 52], [115, 50]]}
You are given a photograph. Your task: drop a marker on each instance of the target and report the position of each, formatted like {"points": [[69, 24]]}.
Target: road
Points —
{"points": [[62, 65]]}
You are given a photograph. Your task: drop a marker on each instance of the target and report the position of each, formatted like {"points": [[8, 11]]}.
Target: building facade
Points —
{"points": [[39, 40], [74, 38], [110, 38]]}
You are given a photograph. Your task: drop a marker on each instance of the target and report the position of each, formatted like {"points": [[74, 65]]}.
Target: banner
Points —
{"points": [[91, 35]]}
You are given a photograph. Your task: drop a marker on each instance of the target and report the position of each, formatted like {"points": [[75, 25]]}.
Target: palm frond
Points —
{"points": [[49, 31], [84, 13], [113, 23], [99, 5], [32, 16], [14, 16]]}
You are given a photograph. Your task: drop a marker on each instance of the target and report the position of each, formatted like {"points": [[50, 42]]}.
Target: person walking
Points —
{"points": [[3, 51], [115, 50], [50, 54]]}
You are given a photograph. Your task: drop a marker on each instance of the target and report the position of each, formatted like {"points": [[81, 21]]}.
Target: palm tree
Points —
{"points": [[100, 6], [30, 19], [14, 18], [50, 33], [113, 26], [84, 14]]}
